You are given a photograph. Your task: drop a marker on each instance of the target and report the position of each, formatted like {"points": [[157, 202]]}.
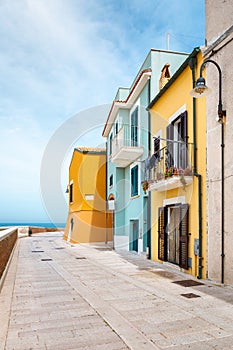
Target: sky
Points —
{"points": [[61, 63]]}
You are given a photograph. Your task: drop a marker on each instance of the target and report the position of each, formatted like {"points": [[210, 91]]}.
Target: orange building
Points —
{"points": [[88, 219]]}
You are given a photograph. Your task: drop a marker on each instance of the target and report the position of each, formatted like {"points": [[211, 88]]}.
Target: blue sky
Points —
{"points": [[60, 59]]}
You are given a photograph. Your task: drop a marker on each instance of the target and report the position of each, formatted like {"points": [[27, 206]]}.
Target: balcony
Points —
{"points": [[124, 150], [170, 168]]}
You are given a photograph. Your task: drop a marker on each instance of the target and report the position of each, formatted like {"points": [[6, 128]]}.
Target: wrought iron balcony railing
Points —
{"points": [[170, 167]]}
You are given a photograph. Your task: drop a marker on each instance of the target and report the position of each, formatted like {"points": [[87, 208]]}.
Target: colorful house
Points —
{"points": [[176, 172], [127, 130], [88, 219]]}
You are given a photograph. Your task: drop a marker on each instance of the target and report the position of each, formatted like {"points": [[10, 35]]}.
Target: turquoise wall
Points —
{"points": [[127, 208]]}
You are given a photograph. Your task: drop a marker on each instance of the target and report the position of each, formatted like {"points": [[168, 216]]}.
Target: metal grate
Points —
{"points": [[80, 257], [188, 283], [103, 249], [58, 248], [37, 251], [190, 295], [46, 259]]}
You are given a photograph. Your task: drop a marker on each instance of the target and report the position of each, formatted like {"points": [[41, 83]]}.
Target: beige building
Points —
{"points": [[219, 48]]}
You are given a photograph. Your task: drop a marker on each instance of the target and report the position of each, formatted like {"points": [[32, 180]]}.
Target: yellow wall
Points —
{"points": [[169, 103], [88, 174], [89, 226]]}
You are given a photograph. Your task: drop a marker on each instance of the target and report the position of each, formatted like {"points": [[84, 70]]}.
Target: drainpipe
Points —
{"points": [[223, 198], [107, 217], [192, 65], [149, 193]]}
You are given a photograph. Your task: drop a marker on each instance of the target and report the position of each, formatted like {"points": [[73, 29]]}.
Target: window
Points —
{"points": [[110, 144], [134, 127], [89, 197], [71, 193], [111, 181], [156, 145], [177, 142], [134, 181], [116, 127]]}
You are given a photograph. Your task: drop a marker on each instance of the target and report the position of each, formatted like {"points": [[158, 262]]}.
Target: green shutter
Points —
{"points": [[134, 127], [184, 218], [170, 151], [134, 181], [184, 138], [162, 236]]}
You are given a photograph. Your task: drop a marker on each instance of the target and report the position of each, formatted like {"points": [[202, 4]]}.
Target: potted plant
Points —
{"points": [[145, 185]]}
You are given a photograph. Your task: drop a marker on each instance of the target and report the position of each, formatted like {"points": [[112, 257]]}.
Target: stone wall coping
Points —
{"points": [[6, 232]]}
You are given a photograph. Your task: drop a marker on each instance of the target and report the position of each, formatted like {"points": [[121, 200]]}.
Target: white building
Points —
{"points": [[219, 48]]}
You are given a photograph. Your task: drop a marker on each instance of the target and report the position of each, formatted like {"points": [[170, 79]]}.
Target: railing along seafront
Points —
{"points": [[8, 238]]}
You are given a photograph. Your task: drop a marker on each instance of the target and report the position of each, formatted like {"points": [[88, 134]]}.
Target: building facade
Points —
{"points": [[127, 130], [176, 172], [219, 47], [88, 219]]}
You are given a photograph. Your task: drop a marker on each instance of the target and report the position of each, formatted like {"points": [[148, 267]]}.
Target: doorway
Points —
{"points": [[145, 223], [173, 234], [134, 235], [70, 229]]}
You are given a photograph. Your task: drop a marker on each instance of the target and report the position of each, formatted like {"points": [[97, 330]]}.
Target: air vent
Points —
{"points": [[190, 295], [46, 259], [188, 283]]}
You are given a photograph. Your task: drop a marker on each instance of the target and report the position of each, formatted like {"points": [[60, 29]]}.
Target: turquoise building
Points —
{"points": [[129, 144]]}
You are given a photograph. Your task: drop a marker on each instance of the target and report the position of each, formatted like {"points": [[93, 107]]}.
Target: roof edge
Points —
{"points": [[86, 150], [145, 71]]}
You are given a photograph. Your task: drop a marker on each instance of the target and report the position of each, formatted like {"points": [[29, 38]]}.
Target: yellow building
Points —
{"points": [[87, 219], [176, 172]]}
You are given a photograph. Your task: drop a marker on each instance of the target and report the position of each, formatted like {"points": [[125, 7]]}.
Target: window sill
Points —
{"points": [[137, 196]]}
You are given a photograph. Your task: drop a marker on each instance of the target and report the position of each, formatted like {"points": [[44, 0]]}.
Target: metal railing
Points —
{"points": [[123, 139], [175, 159]]}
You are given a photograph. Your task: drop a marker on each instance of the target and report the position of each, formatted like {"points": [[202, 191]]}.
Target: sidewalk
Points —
{"points": [[58, 296]]}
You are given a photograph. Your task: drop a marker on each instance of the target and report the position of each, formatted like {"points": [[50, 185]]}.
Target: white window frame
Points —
{"points": [[137, 104], [174, 201], [174, 116]]}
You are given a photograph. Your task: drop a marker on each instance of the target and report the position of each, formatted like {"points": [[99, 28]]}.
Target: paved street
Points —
{"points": [[59, 296]]}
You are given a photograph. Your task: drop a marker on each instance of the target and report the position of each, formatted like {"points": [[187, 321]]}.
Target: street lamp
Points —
{"points": [[201, 90]]}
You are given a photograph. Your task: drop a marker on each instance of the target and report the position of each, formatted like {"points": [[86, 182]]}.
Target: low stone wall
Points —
{"points": [[8, 239], [44, 229]]}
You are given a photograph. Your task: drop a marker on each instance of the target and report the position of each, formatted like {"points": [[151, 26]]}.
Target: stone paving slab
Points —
{"points": [[106, 300]]}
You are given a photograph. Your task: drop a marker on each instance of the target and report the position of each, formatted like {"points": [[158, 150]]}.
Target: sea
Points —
{"points": [[34, 224]]}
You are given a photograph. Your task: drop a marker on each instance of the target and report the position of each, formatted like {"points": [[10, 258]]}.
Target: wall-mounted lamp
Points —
{"points": [[201, 90], [67, 189]]}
